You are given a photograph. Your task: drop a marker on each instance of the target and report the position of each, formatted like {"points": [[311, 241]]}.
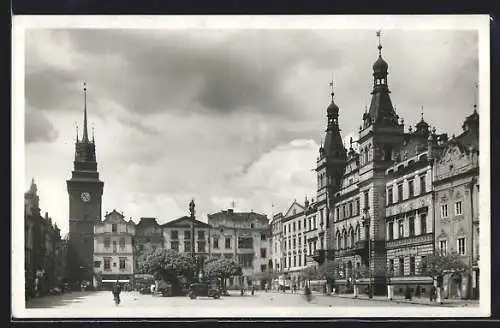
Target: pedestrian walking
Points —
{"points": [[432, 295], [294, 288], [324, 289]]}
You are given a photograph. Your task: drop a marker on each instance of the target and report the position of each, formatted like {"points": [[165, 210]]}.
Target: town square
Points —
{"points": [[232, 170]]}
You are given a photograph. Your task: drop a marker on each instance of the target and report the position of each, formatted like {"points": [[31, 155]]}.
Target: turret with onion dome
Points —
{"points": [[422, 128]]}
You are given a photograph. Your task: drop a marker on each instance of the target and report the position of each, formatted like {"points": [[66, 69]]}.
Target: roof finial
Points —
{"points": [[331, 86], [475, 97], [76, 125], [379, 44], [422, 113], [85, 136]]}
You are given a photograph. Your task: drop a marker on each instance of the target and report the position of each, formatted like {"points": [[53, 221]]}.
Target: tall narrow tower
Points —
{"points": [[85, 194], [330, 167], [379, 139]]}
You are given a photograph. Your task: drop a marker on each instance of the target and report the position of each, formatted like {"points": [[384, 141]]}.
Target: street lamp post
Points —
{"points": [[366, 225]]}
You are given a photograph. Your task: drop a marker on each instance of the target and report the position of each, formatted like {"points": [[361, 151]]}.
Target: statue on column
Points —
{"points": [[191, 207]]}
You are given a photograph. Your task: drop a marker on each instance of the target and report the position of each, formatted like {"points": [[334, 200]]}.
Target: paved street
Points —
{"points": [[100, 304]]}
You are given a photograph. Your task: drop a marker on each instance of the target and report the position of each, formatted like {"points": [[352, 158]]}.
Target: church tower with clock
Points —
{"points": [[85, 194]]}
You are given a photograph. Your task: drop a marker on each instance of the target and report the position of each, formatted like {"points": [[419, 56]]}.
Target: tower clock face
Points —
{"points": [[85, 196]]}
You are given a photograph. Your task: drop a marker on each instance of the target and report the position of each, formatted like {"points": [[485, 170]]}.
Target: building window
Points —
{"points": [[263, 253], [187, 234], [401, 229], [461, 246], [390, 196], [113, 227], [411, 229], [107, 242], [366, 199], [294, 261], [423, 224], [174, 234], [391, 265], [228, 242], [305, 224], [314, 222], [412, 266], [122, 263], [444, 211], [337, 213], [350, 209], [400, 192], [263, 236], [107, 263], [201, 247], [294, 227], [300, 260], [174, 245], [97, 264], [443, 247], [187, 245], [114, 246], [423, 266], [299, 224], [458, 208], [357, 206], [294, 243], [284, 229], [391, 231], [422, 184], [216, 242], [201, 235], [410, 188], [401, 266]]}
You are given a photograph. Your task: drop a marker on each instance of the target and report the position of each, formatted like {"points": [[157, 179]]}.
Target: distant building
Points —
{"points": [[276, 243], [178, 235], [148, 236], [113, 250], [243, 237], [43, 247], [456, 188]]}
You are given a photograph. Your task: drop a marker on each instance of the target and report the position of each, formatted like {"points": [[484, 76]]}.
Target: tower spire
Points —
{"points": [[422, 113], [85, 136]]}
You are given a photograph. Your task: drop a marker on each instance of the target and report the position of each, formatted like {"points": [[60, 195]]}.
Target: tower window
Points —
{"points": [[113, 227]]}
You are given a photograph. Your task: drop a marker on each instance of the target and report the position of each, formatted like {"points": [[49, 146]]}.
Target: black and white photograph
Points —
{"points": [[250, 166]]}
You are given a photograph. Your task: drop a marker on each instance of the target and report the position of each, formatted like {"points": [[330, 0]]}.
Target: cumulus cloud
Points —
{"points": [[222, 115], [38, 128]]}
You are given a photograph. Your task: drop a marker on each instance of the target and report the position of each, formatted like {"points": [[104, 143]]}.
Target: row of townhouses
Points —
{"points": [[119, 243], [402, 195]]}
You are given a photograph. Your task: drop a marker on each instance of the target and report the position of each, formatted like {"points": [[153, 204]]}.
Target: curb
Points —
{"points": [[401, 301]]}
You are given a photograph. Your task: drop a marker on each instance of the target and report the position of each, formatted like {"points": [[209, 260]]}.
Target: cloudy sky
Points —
{"points": [[221, 115]]}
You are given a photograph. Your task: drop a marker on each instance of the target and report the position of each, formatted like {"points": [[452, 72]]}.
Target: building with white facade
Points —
{"points": [[113, 250], [243, 237]]}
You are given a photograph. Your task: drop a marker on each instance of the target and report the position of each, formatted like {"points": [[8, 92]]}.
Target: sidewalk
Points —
{"points": [[414, 300]]}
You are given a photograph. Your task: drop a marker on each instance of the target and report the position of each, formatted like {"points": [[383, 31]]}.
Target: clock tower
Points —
{"points": [[85, 194]]}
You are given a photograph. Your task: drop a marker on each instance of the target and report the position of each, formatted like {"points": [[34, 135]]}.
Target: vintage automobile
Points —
{"points": [[203, 289]]}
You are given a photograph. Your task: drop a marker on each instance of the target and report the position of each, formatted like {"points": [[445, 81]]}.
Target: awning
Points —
{"points": [[115, 280]]}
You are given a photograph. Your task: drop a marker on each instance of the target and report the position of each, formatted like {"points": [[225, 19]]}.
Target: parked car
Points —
{"points": [[85, 285], [205, 289]]}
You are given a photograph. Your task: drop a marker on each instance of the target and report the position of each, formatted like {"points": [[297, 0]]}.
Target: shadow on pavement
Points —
{"points": [[52, 301]]}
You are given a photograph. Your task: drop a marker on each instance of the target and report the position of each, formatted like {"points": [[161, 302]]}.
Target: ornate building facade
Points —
{"points": [[148, 236], [85, 194], [113, 257], [43, 247], [456, 188], [243, 237]]}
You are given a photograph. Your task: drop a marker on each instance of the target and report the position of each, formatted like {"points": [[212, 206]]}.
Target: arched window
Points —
{"points": [[344, 238], [358, 232], [339, 240], [366, 155], [353, 241], [370, 155]]}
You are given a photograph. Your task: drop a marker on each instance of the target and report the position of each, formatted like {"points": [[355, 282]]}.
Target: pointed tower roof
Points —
{"points": [[381, 110], [333, 141], [85, 137]]}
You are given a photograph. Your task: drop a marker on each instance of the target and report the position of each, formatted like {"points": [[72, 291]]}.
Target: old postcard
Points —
{"points": [[251, 166]]}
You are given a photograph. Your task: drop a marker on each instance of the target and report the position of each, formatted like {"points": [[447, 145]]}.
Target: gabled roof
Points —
{"points": [[115, 214], [148, 222], [185, 221], [295, 205], [238, 216]]}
